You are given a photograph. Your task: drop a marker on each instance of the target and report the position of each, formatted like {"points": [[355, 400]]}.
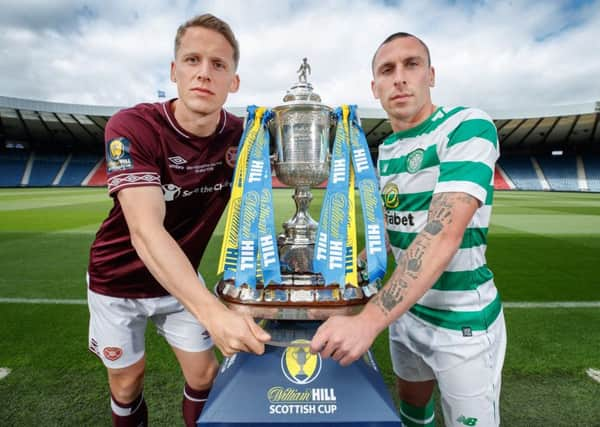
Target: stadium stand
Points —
{"points": [[520, 170], [48, 143], [98, 176], [500, 183], [592, 171], [560, 171], [45, 167], [78, 168], [12, 167]]}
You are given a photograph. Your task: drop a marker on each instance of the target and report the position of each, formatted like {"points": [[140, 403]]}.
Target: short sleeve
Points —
{"points": [[468, 158], [131, 151]]}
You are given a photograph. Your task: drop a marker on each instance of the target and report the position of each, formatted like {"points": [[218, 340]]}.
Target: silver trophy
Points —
{"points": [[302, 130]]}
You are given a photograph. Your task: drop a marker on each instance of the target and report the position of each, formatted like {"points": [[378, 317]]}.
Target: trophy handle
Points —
{"points": [[332, 129]]}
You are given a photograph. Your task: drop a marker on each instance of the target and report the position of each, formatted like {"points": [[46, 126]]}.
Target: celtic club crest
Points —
{"points": [[414, 161]]}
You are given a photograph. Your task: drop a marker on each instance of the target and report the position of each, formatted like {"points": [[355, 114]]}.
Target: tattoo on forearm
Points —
{"points": [[415, 260], [440, 213], [411, 262], [467, 198], [414, 264], [391, 295], [433, 227]]}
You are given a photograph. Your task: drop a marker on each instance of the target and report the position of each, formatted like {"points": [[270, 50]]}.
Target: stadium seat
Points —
{"points": [[12, 167], [78, 169], [520, 170], [591, 164], [44, 169], [560, 171]]}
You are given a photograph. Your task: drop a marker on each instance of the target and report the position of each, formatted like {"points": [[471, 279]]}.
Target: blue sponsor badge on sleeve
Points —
{"points": [[118, 157]]}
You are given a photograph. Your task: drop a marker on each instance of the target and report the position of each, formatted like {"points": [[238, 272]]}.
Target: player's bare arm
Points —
{"points": [[429, 254], [144, 210], [346, 339]]}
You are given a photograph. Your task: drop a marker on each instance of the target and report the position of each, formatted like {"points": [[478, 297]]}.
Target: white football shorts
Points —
{"points": [[118, 325], [467, 368]]}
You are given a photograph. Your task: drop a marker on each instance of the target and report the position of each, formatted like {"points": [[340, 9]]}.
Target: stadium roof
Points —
{"points": [[32, 123]]}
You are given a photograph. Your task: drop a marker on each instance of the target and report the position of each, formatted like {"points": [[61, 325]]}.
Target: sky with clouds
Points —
{"points": [[496, 55]]}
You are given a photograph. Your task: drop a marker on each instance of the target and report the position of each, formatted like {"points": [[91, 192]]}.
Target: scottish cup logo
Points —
{"points": [[298, 364], [116, 148], [118, 157]]}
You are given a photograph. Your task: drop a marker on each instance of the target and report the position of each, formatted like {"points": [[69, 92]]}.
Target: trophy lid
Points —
{"points": [[302, 90]]}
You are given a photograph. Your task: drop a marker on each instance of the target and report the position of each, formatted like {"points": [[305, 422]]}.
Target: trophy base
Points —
{"points": [[288, 386], [299, 297]]}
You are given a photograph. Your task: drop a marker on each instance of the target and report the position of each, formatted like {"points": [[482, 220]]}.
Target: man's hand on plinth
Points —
{"points": [[233, 332], [343, 338]]}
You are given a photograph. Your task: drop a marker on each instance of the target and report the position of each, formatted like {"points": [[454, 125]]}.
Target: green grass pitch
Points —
{"points": [[543, 247]]}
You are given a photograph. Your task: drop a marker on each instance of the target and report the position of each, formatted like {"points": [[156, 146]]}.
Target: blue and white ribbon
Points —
{"points": [[335, 248], [256, 226], [370, 200], [330, 247], [267, 242]]}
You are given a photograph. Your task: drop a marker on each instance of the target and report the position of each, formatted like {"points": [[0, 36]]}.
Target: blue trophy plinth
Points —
{"points": [[289, 385]]}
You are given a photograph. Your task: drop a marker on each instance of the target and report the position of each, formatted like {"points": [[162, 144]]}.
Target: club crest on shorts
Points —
{"points": [[298, 364], [231, 156], [112, 353], [414, 160]]}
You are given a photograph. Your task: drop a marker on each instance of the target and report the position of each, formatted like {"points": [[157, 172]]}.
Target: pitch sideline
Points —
{"points": [[4, 372], [594, 374], [552, 304]]}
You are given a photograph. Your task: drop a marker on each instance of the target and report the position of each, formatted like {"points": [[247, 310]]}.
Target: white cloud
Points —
{"points": [[490, 54]]}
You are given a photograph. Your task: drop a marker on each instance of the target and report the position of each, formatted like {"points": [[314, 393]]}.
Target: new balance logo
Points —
{"points": [[467, 421]]}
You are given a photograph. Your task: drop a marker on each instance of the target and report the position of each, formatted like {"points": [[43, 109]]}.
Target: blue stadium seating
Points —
{"points": [[560, 171], [591, 163], [520, 171], [45, 168], [12, 167], [79, 167]]}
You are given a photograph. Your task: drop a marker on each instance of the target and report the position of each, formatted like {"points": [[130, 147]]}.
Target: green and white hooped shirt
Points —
{"points": [[454, 150]]}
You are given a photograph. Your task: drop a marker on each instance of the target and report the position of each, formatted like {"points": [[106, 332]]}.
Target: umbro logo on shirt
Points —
{"points": [[177, 160]]}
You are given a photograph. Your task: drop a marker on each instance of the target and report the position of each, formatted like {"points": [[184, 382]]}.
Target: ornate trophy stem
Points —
{"points": [[301, 228]]}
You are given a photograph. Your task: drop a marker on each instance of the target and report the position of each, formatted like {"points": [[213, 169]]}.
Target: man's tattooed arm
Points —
{"points": [[417, 268]]}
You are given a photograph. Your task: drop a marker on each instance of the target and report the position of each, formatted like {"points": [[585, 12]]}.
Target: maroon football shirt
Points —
{"points": [[146, 146]]}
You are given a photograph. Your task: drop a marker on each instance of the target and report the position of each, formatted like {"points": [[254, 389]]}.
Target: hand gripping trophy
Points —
{"points": [[313, 272]]}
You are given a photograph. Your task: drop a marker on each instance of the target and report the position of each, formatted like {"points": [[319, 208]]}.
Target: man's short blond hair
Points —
{"points": [[210, 22]]}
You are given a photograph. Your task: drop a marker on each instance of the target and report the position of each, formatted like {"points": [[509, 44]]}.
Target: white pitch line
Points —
{"points": [[4, 373], [594, 374], [43, 301], [553, 304]]}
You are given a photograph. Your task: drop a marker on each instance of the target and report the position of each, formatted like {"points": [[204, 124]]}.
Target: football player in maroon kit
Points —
{"points": [[170, 168]]}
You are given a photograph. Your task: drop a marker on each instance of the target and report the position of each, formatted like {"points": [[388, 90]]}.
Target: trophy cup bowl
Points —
{"points": [[302, 139]]}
